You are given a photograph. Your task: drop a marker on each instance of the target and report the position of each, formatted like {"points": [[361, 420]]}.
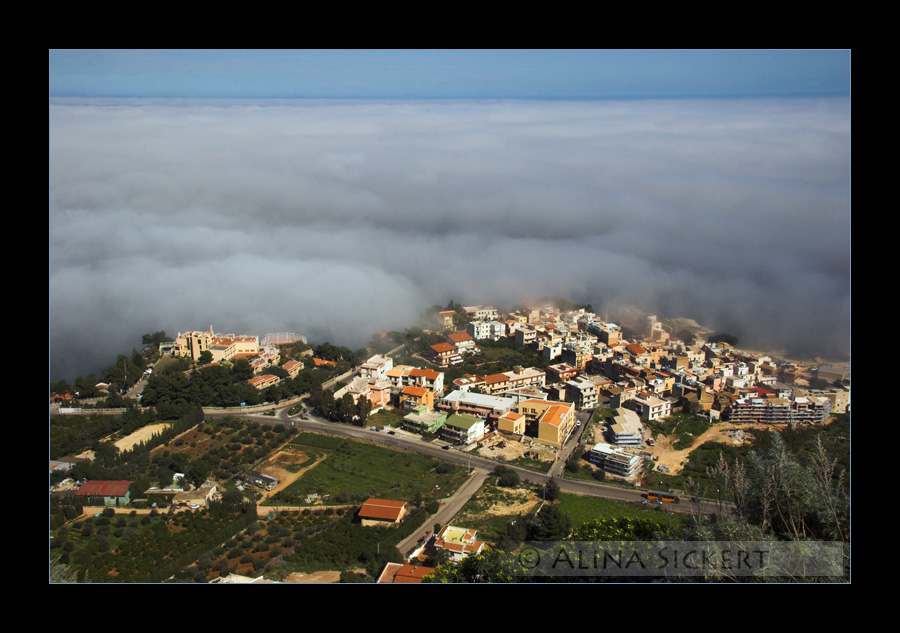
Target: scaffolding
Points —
{"points": [[283, 338]]}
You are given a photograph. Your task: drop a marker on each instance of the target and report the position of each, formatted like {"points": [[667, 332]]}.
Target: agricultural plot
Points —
{"points": [[353, 471]]}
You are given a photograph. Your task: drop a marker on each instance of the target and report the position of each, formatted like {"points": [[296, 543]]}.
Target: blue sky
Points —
{"points": [[455, 73]]}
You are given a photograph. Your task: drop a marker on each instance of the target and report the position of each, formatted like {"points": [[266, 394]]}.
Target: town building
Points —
{"points": [[480, 313], [403, 573], [458, 542], [445, 354], [462, 429], [549, 422], [582, 392], [376, 390], [615, 461], [222, 347], [480, 405], [378, 512], [106, 493], [518, 378], [423, 421], [800, 410]]}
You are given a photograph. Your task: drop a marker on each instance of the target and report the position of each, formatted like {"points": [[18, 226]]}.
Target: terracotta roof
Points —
{"points": [[460, 336], [554, 415], [443, 347], [104, 489], [383, 509], [430, 374], [412, 390], [397, 573]]}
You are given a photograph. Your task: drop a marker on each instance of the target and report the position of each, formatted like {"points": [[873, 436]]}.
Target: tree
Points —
{"points": [[507, 477], [551, 490], [241, 369], [550, 524], [363, 409]]}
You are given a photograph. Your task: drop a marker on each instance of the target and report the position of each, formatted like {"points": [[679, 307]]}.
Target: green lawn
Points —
{"points": [[583, 509], [354, 471]]}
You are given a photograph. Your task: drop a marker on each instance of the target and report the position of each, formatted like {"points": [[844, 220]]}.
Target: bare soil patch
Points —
{"points": [[279, 465], [510, 449], [141, 435], [721, 432], [313, 578]]}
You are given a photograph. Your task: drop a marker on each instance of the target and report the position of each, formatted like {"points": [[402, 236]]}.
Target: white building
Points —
{"points": [[615, 461]]}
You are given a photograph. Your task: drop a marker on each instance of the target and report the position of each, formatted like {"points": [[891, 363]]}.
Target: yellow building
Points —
{"points": [[221, 347], [553, 420]]}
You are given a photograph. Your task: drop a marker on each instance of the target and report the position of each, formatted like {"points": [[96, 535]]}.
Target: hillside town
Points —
{"points": [[587, 362], [593, 384]]}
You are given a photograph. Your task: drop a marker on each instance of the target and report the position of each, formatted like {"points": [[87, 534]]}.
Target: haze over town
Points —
{"points": [[337, 218]]}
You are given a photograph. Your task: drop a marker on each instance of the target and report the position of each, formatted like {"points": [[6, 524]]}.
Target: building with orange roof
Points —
{"points": [[413, 397], [512, 423], [222, 347], [377, 390], [292, 367], [261, 382], [549, 422], [458, 542], [463, 341], [397, 573], [445, 354], [518, 378], [381, 512]]}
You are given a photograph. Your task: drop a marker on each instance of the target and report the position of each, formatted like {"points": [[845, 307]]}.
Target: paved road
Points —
{"points": [[414, 444]]}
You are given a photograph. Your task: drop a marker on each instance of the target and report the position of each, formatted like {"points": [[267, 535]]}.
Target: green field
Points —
{"points": [[354, 471]]}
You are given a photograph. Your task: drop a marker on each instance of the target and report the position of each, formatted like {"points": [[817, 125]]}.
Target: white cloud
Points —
{"points": [[341, 219]]}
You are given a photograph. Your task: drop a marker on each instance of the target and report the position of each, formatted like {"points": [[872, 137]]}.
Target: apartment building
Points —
{"points": [[478, 404], [582, 392], [376, 367], [481, 313], [462, 429], [479, 330], [445, 354], [422, 420], [549, 422], [405, 375], [518, 378], [512, 423], [800, 410], [222, 347], [377, 390], [561, 372], [261, 382], [649, 407], [615, 461], [463, 341]]}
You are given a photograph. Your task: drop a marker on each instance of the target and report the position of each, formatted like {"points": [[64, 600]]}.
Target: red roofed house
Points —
{"points": [[445, 354], [261, 382], [108, 493], [458, 542], [292, 367], [463, 342], [396, 573], [382, 512], [413, 397]]}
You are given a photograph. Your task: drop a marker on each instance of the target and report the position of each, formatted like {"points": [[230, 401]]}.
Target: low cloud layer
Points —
{"points": [[336, 220]]}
